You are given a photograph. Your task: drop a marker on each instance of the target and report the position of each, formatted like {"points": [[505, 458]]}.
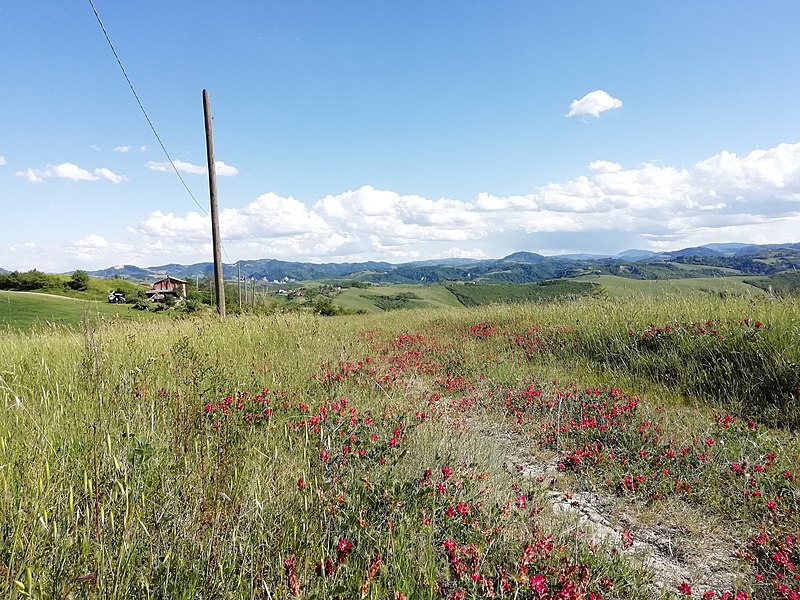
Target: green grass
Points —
{"points": [[547, 291], [139, 460], [97, 288], [368, 300], [782, 284], [695, 268], [23, 310], [659, 288]]}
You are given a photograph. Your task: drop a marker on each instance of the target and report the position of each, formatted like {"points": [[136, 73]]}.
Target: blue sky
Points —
{"points": [[395, 130]]}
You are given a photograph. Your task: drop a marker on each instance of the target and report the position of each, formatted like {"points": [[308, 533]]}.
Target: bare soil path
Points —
{"points": [[675, 543]]}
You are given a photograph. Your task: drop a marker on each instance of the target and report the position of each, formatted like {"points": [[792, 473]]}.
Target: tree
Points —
{"points": [[79, 281], [324, 306]]}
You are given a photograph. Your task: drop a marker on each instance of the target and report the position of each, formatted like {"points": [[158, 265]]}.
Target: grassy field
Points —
{"points": [[430, 296], [699, 286], [599, 448], [24, 310], [546, 291]]}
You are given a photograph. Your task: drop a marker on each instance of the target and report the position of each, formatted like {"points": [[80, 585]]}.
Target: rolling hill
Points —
{"points": [[712, 260]]}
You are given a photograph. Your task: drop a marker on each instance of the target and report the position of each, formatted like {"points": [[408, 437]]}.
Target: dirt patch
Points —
{"points": [[675, 542]]}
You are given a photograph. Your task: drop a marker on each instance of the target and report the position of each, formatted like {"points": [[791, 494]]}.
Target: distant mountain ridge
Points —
{"points": [[718, 259], [715, 259]]}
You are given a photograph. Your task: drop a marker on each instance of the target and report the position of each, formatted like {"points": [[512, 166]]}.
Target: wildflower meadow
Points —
{"points": [[588, 449]]}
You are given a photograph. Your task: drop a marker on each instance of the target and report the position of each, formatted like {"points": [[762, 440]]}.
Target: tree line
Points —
{"points": [[33, 280]]}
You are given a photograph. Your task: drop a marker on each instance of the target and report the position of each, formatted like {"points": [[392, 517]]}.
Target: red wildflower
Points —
{"points": [[324, 569], [291, 576], [538, 584], [627, 539], [374, 566], [343, 548], [685, 589]]}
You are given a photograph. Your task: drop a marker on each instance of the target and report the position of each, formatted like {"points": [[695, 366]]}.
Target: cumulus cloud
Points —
{"points": [[222, 169], [593, 104], [93, 242], [2, 160], [70, 171], [109, 175], [604, 166], [722, 198], [753, 197], [126, 149]]}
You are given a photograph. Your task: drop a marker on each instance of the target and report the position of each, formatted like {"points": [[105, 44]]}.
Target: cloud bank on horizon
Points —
{"points": [[751, 198]]}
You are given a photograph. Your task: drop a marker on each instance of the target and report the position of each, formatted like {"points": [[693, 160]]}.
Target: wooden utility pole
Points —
{"points": [[239, 282], [212, 190]]}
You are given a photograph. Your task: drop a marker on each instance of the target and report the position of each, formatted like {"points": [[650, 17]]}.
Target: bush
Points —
{"points": [[25, 282], [324, 306], [79, 281], [192, 305]]}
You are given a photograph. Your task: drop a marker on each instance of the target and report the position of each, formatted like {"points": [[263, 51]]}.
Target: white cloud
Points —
{"points": [[70, 171], [754, 198], [22, 247], [222, 169], [192, 227], [722, 198], [93, 242], [594, 103], [122, 149], [476, 253], [109, 175], [2, 160], [604, 166]]}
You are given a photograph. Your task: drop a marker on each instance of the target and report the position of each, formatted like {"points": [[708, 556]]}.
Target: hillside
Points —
{"points": [[29, 310], [506, 293], [711, 260]]}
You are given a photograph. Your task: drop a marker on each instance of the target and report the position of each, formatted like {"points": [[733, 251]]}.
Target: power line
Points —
{"points": [[141, 106]]}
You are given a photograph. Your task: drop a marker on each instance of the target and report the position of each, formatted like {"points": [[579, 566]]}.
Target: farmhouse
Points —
{"points": [[169, 286]]}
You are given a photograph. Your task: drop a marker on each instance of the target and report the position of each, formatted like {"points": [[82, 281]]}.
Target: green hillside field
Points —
{"points": [[621, 287], [370, 299], [26, 310]]}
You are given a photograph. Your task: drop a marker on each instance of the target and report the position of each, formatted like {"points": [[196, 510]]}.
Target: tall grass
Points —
{"points": [[124, 473]]}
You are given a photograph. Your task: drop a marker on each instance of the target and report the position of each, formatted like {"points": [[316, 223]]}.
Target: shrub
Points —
{"points": [[79, 281]]}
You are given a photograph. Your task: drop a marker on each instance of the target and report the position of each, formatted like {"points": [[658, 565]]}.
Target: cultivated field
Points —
{"points": [[600, 448]]}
